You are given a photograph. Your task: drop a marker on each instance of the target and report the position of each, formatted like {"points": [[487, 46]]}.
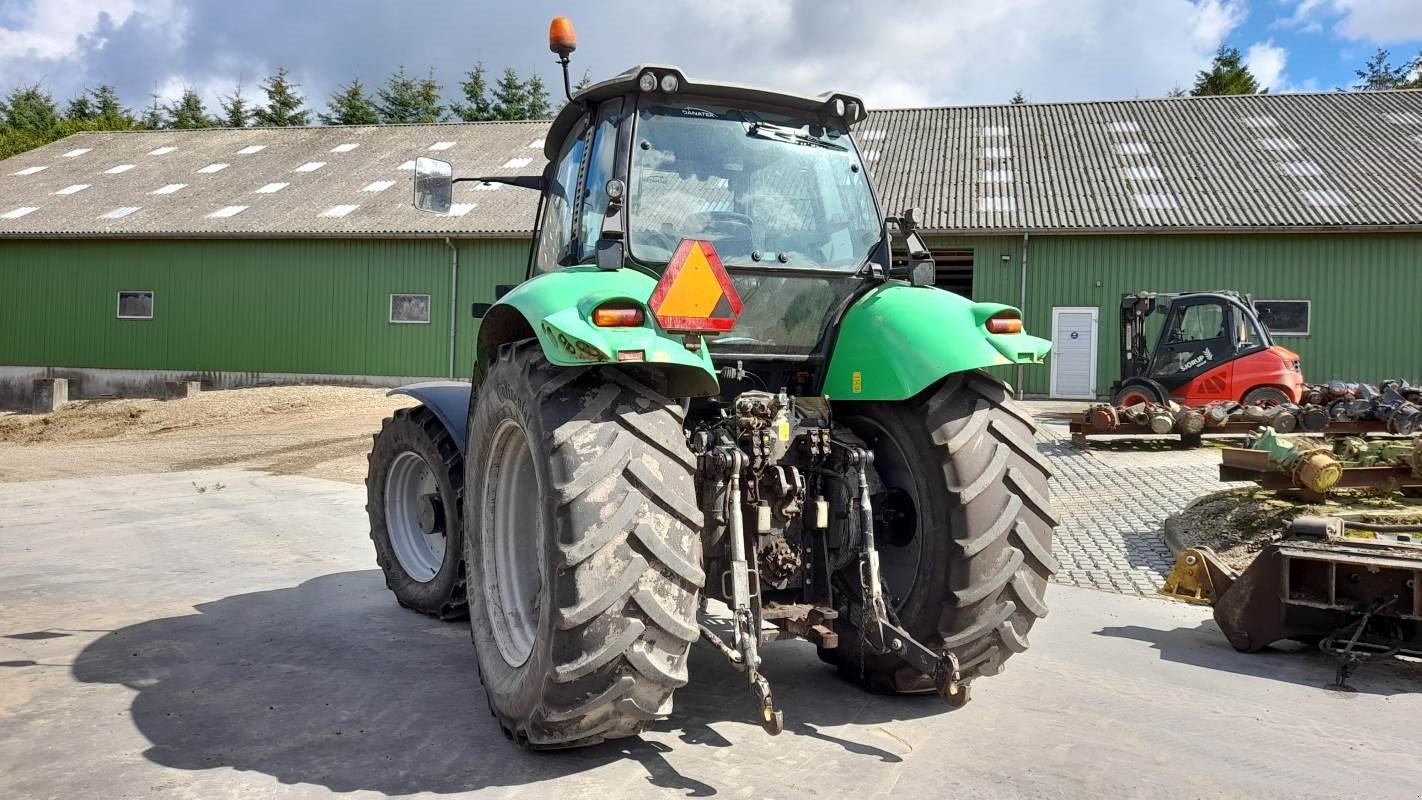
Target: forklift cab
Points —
{"points": [[1200, 333]]}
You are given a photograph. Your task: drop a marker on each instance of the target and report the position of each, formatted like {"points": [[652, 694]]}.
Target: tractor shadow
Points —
{"points": [[1288, 662], [330, 683]]}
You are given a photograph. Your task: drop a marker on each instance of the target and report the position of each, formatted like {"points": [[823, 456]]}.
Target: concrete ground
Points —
{"points": [[223, 634]]}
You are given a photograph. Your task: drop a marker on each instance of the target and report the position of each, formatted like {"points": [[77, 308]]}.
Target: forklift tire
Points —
{"points": [[583, 548], [983, 530], [412, 489], [1140, 390], [1267, 396]]}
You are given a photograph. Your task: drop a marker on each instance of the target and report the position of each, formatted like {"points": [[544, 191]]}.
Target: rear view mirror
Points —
{"points": [[434, 185]]}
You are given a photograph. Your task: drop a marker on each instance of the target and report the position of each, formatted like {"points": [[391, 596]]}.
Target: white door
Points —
{"points": [[1074, 353]]}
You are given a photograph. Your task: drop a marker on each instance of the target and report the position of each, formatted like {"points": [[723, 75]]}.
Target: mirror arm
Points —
{"points": [[534, 182]]}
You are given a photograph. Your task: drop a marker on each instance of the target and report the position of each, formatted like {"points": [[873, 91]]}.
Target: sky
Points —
{"points": [[923, 52]]}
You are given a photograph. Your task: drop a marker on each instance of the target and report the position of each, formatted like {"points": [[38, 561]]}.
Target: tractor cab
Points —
{"points": [[1210, 346]]}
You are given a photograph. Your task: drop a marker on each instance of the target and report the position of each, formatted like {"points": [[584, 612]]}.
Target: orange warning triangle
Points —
{"points": [[695, 293]]}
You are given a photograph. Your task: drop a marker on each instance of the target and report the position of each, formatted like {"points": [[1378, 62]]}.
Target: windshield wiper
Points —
{"points": [[776, 133]]}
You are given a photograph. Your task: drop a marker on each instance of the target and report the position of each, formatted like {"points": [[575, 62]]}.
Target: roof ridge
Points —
{"points": [[380, 125], [1225, 98]]}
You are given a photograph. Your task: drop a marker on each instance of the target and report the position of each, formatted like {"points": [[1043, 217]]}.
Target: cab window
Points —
{"points": [[600, 171], [555, 234], [1199, 323]]}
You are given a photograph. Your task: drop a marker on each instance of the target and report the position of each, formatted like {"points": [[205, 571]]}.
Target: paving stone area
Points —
{"points": [[1112, 500]]}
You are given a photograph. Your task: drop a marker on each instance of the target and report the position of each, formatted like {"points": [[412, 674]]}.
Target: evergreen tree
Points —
{"points": [[1227, 75], [189, 112], [350, 105], [1018, 98], [1379, 74], [1176, 92], [510, 96], [583, 82], [284, 106], [407, 99], [235, 111], [108, 108], [30, 108], [80, 108], [153, 117], [477, 106], [536, 95]]}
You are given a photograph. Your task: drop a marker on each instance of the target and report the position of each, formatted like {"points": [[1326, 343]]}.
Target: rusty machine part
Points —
{"points": [[1352, 588], [1102, 418], [1190, 421], [1161, 419], [1217, 414], [1313, 466]]}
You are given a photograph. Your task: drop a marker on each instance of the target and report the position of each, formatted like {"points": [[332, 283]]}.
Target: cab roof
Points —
{"points": [[626, 81]]}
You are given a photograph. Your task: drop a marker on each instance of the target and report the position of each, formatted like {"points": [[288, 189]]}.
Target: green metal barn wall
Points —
{"points": [[1365, 290], [308, 306]]}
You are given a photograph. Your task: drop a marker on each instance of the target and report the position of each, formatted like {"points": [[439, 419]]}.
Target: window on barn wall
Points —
{"points": [[135, 305], [410, 309], [953, 269], [1285, 317]]}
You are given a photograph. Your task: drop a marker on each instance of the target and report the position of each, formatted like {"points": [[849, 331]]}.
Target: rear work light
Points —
{"points": [[618, 314], [1004, 323]]}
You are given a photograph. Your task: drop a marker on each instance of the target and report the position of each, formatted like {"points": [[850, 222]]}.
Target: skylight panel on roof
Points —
{"points": [[1325, 197], [211, 168], [1125, 126], [250, 149], [995, 130], [115, 170], [871, 155], [995, 176], [161, 151], [340, 211], [1145, 172], [536, 144], [408, 165], [1156, 201], [30, 170], [997, 204], [120, 212], [227, 211], [460, 209], [488, 187], [378, 186], [1260, 122], [442, 145], [1277, 144], [871, 135], [73, 188], [1405, 118], [995, 152], [1132, 148], [272, 188], [1299, 168], [310, 166], [345, 148], [78, 151], [16, 213], [169, 188], [515, 163]]}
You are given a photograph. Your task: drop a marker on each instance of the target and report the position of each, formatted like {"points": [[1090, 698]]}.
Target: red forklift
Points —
{"points": [[1211, 347]]}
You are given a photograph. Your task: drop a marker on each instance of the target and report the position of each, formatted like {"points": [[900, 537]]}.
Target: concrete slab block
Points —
{"points": [[49, 394], [177, 390]]}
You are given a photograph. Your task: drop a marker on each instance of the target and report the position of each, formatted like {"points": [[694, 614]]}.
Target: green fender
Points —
{"points": [[558, 307], [898, 340]]}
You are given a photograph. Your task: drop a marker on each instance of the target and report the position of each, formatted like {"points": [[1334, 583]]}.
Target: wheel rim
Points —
{"points": [[899, 555], [420, 553], [511, 539]]}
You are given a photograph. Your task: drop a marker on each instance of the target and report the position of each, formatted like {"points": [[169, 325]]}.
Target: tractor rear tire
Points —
{"points": [[582, 542], [983, 556], [414, 457]]}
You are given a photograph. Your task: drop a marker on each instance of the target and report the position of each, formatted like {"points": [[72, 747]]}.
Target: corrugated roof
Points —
{"points": [[319, 181], [1338, 160]]}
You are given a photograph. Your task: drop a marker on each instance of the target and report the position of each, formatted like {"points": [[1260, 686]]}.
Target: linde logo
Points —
{"points": [[1202, 358]]}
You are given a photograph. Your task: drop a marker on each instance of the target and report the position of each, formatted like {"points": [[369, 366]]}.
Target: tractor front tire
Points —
{"points": [[412, 489], [974, 580], [583, 549]]}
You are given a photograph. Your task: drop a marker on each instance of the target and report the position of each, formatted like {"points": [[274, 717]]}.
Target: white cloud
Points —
{"points": [[1267, 60], [1380, 21], [50, 29]]}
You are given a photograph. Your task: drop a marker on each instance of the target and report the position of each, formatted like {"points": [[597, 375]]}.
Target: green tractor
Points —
{"points": [[718, 382]]}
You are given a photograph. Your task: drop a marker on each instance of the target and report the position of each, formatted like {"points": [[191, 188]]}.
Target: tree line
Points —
{"points": [[30, 117], [1228, 74]]}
